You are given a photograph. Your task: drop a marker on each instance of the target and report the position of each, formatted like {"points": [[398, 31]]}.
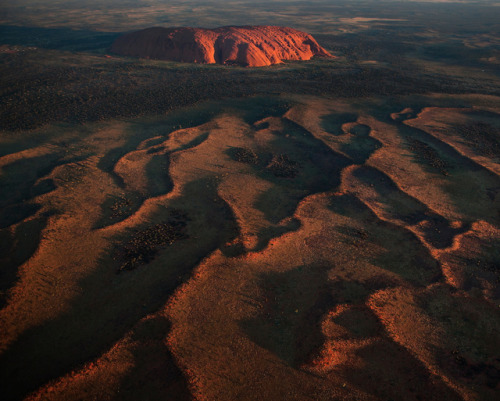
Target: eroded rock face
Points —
{"points": [[252, 46]]}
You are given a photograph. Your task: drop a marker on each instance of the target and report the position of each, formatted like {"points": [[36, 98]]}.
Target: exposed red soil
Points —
{"points": [[313, 253]]}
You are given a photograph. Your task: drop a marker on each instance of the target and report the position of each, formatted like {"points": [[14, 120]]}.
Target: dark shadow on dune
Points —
{"points": [[403, 207], [271, 232], [477, 265], [16, 248], [17, 212], [259, 107], [460, 173], [428, 157], [391, 372], [111, 304], [299, 165], [155, 374], [332, 123], [158, 177], [141, 131], [292, 306], [18, 185], [118, 208], [464, 322], [194, 143], [402, 252], [360, 145], [359, 130], [360, 148], [356, 292], [19, 177]]}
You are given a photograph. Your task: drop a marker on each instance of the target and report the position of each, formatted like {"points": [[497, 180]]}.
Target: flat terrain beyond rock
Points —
{"points": [[251, 46]]}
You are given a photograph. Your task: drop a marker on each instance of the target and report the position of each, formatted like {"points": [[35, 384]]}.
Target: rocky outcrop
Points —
{"points": [[252, 46]]}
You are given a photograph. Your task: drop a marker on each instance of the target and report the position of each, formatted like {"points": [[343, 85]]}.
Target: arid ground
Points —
{"points": [[318, 230]]}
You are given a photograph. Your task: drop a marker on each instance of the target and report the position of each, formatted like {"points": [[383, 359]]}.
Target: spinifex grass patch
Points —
{"points": [[243, 155], [282, 166], [144, 244], [428, 155]]}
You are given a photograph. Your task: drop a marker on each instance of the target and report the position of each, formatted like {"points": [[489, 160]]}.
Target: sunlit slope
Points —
{"points": [[286, 248]]}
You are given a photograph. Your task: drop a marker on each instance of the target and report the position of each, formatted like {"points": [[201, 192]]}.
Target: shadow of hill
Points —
{"points": [[58, 38], [112, 304]]}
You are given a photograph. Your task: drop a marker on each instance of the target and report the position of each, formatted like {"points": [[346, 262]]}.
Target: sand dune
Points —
{"points": [[323, 250]]}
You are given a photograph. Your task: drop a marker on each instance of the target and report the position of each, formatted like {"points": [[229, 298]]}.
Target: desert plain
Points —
{"points": [[312, 230]]}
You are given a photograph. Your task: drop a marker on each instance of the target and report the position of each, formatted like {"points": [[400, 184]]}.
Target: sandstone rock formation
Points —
{"points": [[252, 46]]}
